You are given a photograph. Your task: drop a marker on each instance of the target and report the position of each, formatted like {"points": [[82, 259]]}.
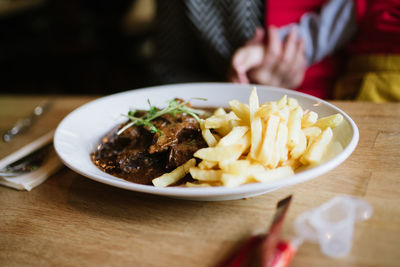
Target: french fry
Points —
{"points": [[267, 151], [261, 143], [332, 150], [292, 163], [300, 148], [312, 131], [294, 126], [278, 108], [219, 111], [267, 110], [282, 103], [241, 110], [209, 137], [220, 153], [280, 145], [230, 180], [206, 164], [329, 121], [245, 142], [206, 175], [238, 167], [255, 124], [224, 129], [316, 150], [273, 174], [292, 103], [233, 136], [218, 121], [222, 124], [172, 177], [284, 114], [309, 119]]}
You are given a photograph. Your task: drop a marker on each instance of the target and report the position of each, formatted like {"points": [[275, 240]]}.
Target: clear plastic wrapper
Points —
{"points": [[331, 225]]}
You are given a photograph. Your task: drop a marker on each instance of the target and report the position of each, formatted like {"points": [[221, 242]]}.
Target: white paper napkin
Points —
{"points": [[32, 179]]}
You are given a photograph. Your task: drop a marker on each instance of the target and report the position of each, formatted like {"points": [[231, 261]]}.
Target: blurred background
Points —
{"points": [[75, 46]]}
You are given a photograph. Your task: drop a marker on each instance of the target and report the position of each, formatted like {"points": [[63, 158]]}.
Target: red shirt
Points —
{"points": [[378, 24]]}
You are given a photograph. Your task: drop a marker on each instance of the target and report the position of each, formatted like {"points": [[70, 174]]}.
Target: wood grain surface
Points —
{"points": [[73, 221]]}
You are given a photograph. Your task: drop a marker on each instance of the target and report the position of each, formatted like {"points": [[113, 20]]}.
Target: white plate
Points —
{"points": [[79, 133]]}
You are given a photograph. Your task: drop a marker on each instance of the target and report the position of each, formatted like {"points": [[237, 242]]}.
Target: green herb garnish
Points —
{"points": [[174, 107]]}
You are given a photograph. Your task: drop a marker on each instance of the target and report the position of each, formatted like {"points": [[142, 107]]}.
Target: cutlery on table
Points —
{"points": [[25, 123]]}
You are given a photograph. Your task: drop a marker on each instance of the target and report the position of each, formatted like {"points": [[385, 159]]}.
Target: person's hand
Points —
{"points": [[275, 63], [247, 57]]}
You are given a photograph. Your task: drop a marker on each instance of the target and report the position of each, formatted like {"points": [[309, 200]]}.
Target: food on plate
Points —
{"points": [[152, 143], [181, 145], [261, 143]]}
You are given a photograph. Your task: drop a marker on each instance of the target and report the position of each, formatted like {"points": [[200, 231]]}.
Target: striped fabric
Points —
{"points": [[195, 39]]}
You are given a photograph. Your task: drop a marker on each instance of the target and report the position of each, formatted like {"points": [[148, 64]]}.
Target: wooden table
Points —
{"points": [[73, 221]]}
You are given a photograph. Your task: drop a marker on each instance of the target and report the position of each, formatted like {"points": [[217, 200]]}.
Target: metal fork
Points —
{"points": [[29, 163]]}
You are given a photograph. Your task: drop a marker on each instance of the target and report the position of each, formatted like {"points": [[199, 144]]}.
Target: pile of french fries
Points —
{"points": [[256, 143]]}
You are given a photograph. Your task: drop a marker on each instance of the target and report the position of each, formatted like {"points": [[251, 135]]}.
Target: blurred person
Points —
{"points": [[322, 34], [273, 62], [197, 39], [373, 70]]}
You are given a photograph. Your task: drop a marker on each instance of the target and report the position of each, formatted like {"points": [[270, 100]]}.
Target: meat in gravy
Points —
{"points": [[139, 156]]}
